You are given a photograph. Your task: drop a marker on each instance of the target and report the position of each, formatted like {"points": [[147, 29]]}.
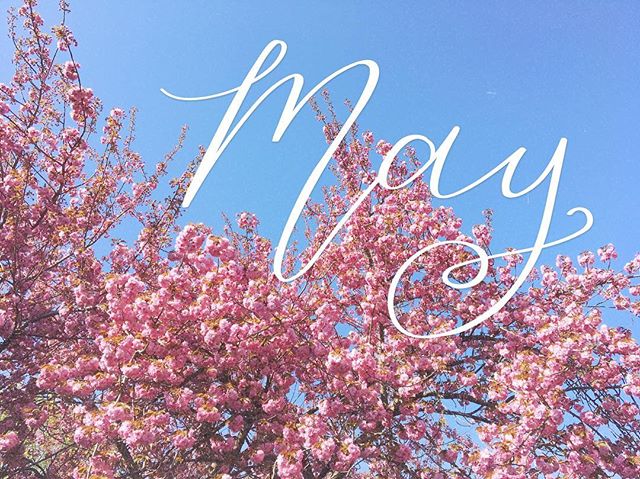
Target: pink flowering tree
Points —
{"points": [[182, 356]]}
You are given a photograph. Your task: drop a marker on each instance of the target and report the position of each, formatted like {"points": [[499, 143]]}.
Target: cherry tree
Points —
{"points": [[180, 355]]}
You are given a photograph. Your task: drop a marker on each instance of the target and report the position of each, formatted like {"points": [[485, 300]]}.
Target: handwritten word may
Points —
{"points": [[227, 130]]}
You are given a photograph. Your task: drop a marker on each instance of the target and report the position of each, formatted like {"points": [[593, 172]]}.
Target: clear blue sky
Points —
{"points": [[510, 74]]}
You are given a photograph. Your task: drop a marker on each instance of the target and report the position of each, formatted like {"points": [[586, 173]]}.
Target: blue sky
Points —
{"points": [[510, 74]]}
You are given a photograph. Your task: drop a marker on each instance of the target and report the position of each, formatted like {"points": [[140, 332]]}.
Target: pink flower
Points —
{"points": [[70, 70], [383, 147], [482, 234], [607, 253], [9, 441], [247, 221]]}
